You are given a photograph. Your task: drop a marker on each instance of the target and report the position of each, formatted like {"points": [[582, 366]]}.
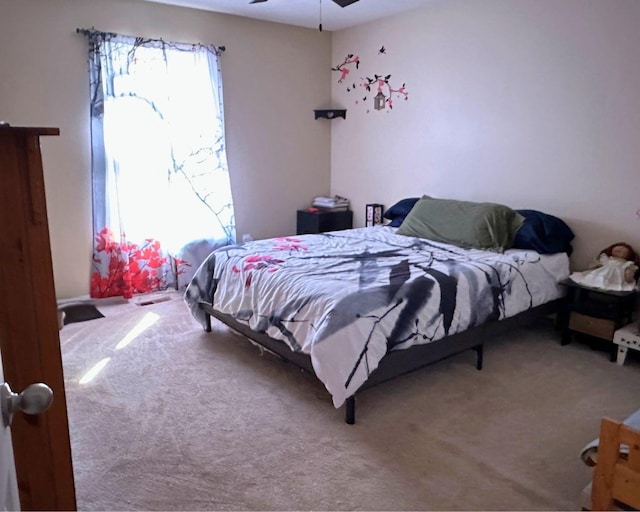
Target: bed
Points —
{"points": [[361, 306]]}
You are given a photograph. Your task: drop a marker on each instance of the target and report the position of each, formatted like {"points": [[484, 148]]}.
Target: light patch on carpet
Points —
{"points": [[95, 370], [147, 321]]}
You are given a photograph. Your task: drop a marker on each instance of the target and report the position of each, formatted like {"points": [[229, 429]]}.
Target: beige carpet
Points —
{"points": [[180, 419]]}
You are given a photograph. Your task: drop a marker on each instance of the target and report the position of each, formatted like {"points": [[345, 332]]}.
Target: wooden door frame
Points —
{"points": [[29, 338]]}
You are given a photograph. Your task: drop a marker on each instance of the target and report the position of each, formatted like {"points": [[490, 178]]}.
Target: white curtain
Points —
{"points": [[161, 190]]}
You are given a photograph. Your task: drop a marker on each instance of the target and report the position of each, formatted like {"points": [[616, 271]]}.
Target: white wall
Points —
{"points": [[530, 103], [274, 75]]}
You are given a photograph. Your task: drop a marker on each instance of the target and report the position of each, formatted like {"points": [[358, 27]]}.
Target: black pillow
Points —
{"points": [[400, 210], [543, 233]]}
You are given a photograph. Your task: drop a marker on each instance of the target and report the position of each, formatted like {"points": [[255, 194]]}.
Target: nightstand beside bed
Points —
{"points": [[595, 312], [308, 222]]}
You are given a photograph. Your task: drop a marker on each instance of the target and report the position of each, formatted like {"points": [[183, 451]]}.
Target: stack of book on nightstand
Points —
{"points": [[331, 204]]}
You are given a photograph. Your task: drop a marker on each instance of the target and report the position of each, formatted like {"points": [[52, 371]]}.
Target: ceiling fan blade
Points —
{"points": [[344, 3], [341, 3]]}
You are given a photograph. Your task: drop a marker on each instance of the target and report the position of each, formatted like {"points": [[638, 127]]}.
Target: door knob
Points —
{"points": [[35, 399]]}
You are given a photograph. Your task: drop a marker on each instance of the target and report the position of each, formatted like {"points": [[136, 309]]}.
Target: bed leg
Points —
{"points": [[207, 320], [350, 410], [480, 351]]}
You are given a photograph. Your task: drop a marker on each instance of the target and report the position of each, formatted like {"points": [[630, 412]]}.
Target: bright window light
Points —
{"points": [[147, 321]]}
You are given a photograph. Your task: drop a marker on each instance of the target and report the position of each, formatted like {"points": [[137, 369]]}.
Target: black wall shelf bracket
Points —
{"points": [[331, 113]]}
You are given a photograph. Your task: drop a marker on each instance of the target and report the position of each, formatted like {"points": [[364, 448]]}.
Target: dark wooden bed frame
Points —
{"points": [[397, 362]]}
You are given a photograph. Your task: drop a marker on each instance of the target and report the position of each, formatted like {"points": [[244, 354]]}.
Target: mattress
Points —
{"points": [[348, 297]]}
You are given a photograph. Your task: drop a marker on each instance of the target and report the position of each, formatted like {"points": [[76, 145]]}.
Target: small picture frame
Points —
{"points": [[373, 214]]}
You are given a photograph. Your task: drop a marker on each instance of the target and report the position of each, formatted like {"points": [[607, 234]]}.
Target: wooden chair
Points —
{"points": [[617, 474]]}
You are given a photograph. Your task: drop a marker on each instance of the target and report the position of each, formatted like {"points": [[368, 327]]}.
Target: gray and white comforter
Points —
{"points": [[346, 298]]}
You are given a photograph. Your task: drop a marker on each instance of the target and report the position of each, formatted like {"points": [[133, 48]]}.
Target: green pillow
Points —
{"points": [[466, 224]]}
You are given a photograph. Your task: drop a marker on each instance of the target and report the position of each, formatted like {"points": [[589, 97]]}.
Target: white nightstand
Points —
{"points": [[627, 337]]}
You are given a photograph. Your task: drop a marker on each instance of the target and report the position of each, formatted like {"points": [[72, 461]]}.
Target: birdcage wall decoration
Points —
{"points": [[370, 86]]}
